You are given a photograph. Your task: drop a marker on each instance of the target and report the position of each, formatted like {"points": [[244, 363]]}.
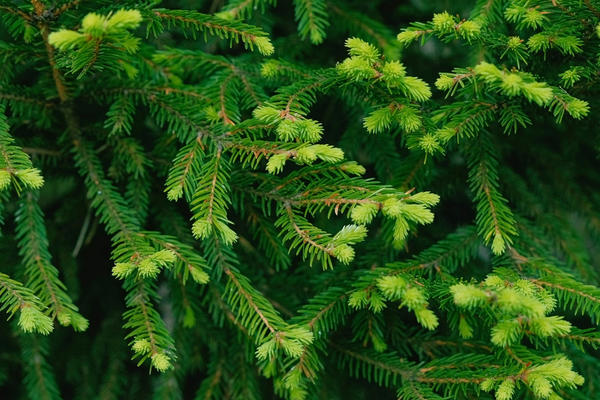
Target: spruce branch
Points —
{"points": [[494, 219], [194, 23], [285, 162], [38, 377], [257, 315], [149, 338], [121, 223], [241, 9], [210, 200], [42, 276], [311, 16], [16, 297], [15, 165]]}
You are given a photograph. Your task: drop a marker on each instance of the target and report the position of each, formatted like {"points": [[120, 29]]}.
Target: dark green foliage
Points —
{"points": [[312, 199]]}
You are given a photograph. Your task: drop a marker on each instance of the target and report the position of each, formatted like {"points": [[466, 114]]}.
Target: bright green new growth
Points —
{"points": [[444, 26], [15, 165], [542, 380], [412, 297], [101, 42], [247, 210], [15, 297], [518, 307]]}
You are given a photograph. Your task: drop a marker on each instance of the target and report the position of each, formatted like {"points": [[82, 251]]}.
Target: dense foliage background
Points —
{"points": [[236, 199]]}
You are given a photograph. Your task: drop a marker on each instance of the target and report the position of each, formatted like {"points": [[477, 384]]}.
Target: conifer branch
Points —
{"points": [[122, 224], [495, 220], [311, 16], [196, 22], [38, 378], [186, 166], [303, 234], [16, 297], [240, 9], [15, 165], [210, 200], [188, 262], [150, 338], [261, 152], [248, 297], [42, 276]]}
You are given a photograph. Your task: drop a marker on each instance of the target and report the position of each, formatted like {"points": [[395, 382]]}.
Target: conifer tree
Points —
{"points": [[253, 199]]}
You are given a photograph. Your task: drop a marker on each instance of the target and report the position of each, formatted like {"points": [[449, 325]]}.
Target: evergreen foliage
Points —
{"points": [[252, 199]]}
